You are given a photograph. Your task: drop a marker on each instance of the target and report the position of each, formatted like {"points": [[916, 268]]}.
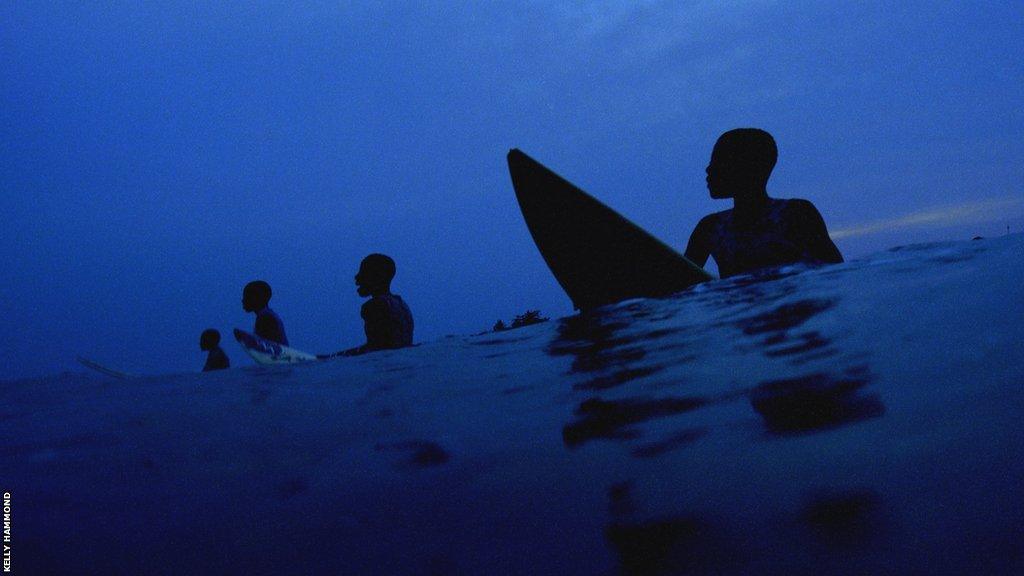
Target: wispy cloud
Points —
{"points": [[967, 213]]}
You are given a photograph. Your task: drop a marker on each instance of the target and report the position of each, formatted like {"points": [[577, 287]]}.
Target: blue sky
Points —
{"points": [[157, 156]]}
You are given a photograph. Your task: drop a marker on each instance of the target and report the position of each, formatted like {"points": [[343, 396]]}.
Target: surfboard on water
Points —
{"points": [[597, 255], [267, 352], [104, 370]]}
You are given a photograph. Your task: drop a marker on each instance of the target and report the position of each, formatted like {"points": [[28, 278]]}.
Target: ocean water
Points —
{"points": [[865, 418]]}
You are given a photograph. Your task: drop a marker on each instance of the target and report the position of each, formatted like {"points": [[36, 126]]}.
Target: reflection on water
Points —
{"points": [[686, 543], [591, 340], [674, 545], [618, 346], [623, 350], [677, 440], [815, 402], [291, 487], [784, 317], [805, 342], [617, 378], [844, 519], [611, 419], [668, 544], [612, 346], [776, 336], [419, 453]]}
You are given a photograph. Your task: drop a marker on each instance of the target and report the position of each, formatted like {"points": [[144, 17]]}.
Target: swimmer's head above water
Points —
{"points": [[741, 162]]}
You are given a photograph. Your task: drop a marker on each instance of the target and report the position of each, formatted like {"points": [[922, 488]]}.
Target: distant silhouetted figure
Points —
{"points": [[209, 341], [255, 298], [386, 317], [758, 231]]}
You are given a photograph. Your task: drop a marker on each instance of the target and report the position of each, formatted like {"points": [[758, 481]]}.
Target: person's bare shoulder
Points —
{"points": [[801, 208], [807, 223], [709, 222]]}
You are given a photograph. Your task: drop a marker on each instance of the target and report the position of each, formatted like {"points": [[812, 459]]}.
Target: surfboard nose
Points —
{"points": [[596, 255]]}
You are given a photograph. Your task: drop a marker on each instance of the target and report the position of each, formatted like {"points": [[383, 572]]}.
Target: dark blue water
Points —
{"points": [[862, 418]]}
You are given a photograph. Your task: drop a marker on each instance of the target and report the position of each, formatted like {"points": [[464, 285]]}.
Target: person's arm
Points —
{"points": [[372, 312], [699, 247], [810, 231]]}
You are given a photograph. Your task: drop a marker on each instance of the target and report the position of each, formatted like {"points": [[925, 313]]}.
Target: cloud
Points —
{"points": [[967, 213]]}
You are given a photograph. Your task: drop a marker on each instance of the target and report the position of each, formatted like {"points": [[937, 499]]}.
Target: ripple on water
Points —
{"points": [[784, 317], [611, 419], [849, 519], [679, 544], [777, 336], [419, 453], [617, 378], [673, 442], [815, 402]]}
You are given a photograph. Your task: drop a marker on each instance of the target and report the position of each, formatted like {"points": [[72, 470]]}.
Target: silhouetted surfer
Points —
{"points": [[387, 319], [255, 298], [758, 231], [209, 341]]}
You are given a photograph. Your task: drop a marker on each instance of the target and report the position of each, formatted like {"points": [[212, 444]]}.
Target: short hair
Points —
{"points": [[210, 336], [258, 288], [379, 266], [750, 146]]}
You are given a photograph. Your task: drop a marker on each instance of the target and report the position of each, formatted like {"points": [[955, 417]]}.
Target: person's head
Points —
{"points": [[209, 339], [375, 274], [741, 162], [255, 296]]}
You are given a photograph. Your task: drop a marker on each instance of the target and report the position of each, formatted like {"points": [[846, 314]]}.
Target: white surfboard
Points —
{"points": [[104, 370], [267, 352]]}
